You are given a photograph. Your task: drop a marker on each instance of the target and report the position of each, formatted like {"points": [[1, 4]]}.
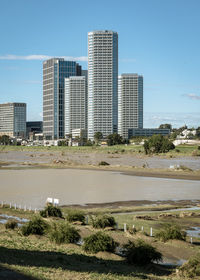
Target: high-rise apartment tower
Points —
{"points": [[130, 103], [13, 119], [55, 70], [102, 82], [75, 103]]}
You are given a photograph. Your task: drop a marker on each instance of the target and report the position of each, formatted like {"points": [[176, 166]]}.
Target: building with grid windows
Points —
{"points": [[130, 103], [102, 82], [55, 70], [75, 104], [13, 119]]}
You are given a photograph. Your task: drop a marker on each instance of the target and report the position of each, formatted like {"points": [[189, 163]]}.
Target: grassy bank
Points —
{"points": [[36, 257], [181, 150]]}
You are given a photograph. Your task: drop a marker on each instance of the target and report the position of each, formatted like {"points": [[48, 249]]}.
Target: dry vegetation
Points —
{"points": [[37, 257]]}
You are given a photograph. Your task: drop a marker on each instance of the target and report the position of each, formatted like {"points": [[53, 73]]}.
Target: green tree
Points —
{"points": [[166, 125], [198, 132], [114, 139], [5, 140], [158, 144], [98, 136]]}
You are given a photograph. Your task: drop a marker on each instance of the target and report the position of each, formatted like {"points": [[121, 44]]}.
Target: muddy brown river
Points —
{"points": [[73, 186]]}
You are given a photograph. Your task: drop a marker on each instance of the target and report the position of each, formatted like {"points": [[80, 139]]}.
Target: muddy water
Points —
{"points": [[72, 186]]}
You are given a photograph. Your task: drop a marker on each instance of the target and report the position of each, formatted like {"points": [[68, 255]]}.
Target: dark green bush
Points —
{"points": [[103, 221], [158, 144], [63, 233], [75, 215], [51, 211], [170, 231], [35, 226], [11, 224], [99, 242], [140, 253], [191, 269], [103, 163]]}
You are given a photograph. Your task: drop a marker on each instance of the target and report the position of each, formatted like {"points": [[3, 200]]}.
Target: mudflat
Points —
{"points": [[129, 162]]}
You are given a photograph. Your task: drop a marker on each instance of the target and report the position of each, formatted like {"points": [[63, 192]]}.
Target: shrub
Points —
{"points": [[99, 242], [11, 224], [103, 221], [140, 253], [75, 215], [158, 144], [185, 168], [132, 230], [35, 226], [191, 268], [63, 233], [196, 153], [171, 231], [103, 163], [51, 211]]}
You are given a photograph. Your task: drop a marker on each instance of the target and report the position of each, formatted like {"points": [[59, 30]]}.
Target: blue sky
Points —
{"points": [[157, 38]]}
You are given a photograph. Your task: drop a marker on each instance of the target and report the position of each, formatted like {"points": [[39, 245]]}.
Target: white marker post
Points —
{"points": [[125, 228], [15, 206], [191, 240], [10, 205], [55, 201], [151, 232], [142, 228], [86, 219]]}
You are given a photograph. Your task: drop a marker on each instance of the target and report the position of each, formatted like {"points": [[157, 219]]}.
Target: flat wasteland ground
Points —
{"points": [[128, 159], [36, 257]]}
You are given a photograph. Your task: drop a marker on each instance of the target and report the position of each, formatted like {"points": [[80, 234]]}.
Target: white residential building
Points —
{"points": [[102, 82], [130, 103], [13, 119], [75, 103]]}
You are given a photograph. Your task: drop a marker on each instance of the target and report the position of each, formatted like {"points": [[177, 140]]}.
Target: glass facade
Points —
{"points": [[55, 70]]}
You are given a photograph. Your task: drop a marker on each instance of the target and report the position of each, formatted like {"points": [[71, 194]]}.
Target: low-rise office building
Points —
{"points": [[147, 132], [13, 119], [33, 128]]}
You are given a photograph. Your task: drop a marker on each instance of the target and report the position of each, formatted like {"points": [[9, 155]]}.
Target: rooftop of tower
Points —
{"points": [[102, 31]]}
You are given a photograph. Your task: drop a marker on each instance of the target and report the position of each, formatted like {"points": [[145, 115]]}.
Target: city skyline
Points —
{"points": [[155, 41]]}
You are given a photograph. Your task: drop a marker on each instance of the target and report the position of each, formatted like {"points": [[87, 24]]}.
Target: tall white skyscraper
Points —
{"points": [[102, 82], [75, 103], [130, 103]]}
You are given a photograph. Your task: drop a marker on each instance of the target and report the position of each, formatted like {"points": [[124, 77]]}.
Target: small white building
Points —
{"points": [[79, 133]]}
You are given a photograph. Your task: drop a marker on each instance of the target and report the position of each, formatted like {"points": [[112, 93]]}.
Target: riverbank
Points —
{"points": [[36, 257]]}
